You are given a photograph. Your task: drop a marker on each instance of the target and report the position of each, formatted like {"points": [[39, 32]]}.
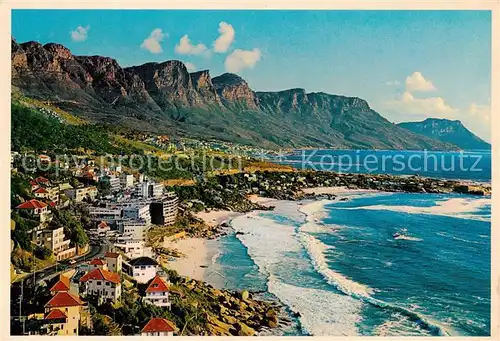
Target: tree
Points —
{"points": [[41, 252]]}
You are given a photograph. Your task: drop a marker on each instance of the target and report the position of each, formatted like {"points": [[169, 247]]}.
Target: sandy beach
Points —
{"points": [[216, 217], [198, 252]]}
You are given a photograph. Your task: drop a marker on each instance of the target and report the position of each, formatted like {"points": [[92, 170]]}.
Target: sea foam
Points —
{"points": [[463, 208]]}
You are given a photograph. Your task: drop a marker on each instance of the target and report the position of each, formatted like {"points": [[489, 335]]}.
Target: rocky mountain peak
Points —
{"points": [[58, 51], [232, 89]]}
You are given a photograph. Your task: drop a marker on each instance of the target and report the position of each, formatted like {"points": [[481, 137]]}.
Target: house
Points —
{"points": [[62, 314], [41, 193], [34, 185], [158, 327], [62, 285], [114, 261], [36, 209], [103, 284], [102, 229], [98, 263], [157, 292], [49, 193], [42, 181], [142, 269], [44, 158]]}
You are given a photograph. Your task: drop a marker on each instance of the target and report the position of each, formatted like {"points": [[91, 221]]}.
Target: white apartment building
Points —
{"points": [[132, 248], [53, 239], [108, 214], [138, 211], [133, 229], [126, 180]]}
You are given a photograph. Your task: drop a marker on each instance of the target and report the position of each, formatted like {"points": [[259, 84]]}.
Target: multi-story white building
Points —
{"points": [[108, 214], [133, 229], [138, 211], [164, 212], [132, 247], [53, 239], [126, 180], [157, 292], [142, 269], [114, 182], [156, 190], [103, 284]]}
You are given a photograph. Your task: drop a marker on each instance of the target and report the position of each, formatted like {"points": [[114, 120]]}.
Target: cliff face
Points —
{"points": [[447, 131], [165, 97]]}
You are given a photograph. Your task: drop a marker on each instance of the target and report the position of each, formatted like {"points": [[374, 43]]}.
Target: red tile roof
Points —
{"points": [[61, 285], [55, 314], [32, 204], [42, 179], [41, 190], [64, 299], [157, 285], [97, 261], [101, 275], [111, 255], [102, 224], [158, 325]]}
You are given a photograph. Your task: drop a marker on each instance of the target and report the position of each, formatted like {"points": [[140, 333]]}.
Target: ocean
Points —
{"points": [[379, 264], [465, 165]]}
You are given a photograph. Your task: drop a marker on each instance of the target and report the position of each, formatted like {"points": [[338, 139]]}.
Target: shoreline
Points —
{"points": [[200, 253]]}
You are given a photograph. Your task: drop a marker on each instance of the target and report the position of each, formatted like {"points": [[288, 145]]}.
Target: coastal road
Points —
{"points": [[40, 275]]}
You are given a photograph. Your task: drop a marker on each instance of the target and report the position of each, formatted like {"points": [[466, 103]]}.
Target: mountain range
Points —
{"points": [[166, 98]]}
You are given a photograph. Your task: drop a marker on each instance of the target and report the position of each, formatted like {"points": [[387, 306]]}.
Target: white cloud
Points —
{"points": [[190, 66], [185, 47], [480, 112], [242, 59], [226, 38], [427, 107], [152, 43], [417, 82], [409, 108], [80, 34], [390, 83]]}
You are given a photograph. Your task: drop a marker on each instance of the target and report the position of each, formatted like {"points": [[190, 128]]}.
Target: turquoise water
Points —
{"points": [[339, 266], [466, 165]]}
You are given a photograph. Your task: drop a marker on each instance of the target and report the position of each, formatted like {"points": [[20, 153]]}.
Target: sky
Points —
{"points": [[408, 65]]}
